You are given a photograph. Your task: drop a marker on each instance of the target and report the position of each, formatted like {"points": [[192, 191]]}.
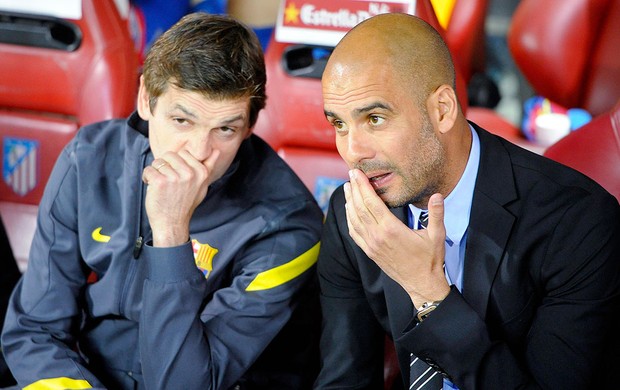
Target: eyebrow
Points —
{"points": [[362, 110], [371, 107], [329, 114], [185, 111], [232, 119], [224, 122]]}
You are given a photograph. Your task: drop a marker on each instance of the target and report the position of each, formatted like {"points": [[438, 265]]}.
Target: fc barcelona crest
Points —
{"points": [[203, 256], [20, 164]]}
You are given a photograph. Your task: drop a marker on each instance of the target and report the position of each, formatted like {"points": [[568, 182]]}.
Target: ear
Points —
{"points": [[249, 133], [443, 108], [142, 105]]}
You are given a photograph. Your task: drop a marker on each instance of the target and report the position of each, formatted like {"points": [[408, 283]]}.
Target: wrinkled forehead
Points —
{"points": [[347, 74], [349, 91]]}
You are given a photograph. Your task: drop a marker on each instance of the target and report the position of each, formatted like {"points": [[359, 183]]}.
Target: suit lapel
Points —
{"points": [[490, 222], [487, 235]]}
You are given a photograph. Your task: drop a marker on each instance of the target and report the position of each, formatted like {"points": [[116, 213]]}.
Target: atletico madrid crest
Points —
{"points": [[203, 256], [20, 164]]}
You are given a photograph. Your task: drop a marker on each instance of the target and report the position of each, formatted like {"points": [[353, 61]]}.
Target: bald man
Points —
{"points": [[489, 266]]}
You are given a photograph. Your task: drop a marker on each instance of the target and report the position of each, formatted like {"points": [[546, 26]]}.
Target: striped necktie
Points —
{"points": [[422, 376], [423, 220]]}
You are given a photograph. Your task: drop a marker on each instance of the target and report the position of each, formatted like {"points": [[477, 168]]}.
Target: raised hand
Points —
{"points": [[413, 258], [177, 184]]}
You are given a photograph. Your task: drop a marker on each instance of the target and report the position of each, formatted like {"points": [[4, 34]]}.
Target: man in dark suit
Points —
{"points": [[514, 281]]}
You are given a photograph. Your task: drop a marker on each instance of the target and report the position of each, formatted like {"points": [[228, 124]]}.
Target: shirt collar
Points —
{"points": [[457, 204]]}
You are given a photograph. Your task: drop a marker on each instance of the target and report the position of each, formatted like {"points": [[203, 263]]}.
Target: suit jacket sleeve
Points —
{"points": [[352, 340]]}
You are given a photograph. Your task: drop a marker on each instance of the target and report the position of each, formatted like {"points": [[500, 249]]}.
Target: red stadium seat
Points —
{"points": [[594, 150], [464, 34], [57, 74], [568, 50], [495, 123]]}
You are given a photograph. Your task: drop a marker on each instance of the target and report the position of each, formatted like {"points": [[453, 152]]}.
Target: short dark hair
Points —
{"points": [[215, 55]]}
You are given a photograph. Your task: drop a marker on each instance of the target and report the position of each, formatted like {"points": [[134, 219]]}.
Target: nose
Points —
{"points": [[356, 146], [200, 146]]}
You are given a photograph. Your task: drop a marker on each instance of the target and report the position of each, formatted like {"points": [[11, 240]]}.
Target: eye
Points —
{"points": [[180, 120], [376, 120], [338, 125], [226, 129], [226, 132]]}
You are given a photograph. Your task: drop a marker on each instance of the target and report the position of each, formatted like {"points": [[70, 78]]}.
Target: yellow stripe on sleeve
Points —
{"points": [[61, 383], [285, 272]]}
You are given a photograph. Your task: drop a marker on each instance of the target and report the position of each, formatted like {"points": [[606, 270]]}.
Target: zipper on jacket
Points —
{"points": [[137, 248], [139, 243]]}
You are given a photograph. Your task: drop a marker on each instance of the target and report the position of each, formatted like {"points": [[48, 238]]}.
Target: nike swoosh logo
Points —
{"points": [[97, 236]]}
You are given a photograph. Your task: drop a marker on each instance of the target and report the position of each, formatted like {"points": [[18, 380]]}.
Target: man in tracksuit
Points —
{"points": [[174, 250]]}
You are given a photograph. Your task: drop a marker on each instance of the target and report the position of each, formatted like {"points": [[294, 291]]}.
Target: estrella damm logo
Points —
{"points": [[203, 256]]}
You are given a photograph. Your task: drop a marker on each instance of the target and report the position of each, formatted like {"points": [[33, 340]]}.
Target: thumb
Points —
{"points": [[436, 228]]}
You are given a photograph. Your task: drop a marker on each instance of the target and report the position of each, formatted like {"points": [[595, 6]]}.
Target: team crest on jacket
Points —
{"points": [[203, 256]]}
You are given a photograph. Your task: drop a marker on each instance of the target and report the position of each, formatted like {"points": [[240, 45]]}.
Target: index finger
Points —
{"points": [[212, 159], [205, 166], [364, 195]]}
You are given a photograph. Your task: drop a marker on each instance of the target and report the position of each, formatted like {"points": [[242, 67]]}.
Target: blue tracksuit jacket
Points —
{"points": [[99, 307]]}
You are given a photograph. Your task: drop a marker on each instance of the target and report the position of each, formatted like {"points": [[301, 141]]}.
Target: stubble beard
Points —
{"points": [[422, 174]]}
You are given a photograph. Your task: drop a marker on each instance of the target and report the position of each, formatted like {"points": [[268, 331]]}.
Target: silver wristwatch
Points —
{"points": [[426, 309]]}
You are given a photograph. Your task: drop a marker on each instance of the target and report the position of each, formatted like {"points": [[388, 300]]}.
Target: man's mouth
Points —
{"points": [[379, 180], [377, 177]]}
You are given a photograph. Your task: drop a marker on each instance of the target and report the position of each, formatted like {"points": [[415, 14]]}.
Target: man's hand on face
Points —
{"points": [[177, 183], [413, 258]]}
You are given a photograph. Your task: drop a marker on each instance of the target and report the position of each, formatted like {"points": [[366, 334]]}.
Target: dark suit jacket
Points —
{"points": [[541, 287]]}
